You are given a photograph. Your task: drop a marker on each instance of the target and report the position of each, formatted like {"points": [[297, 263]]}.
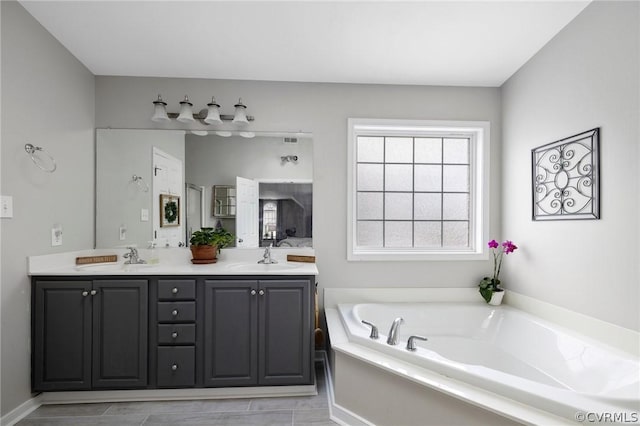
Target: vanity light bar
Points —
{"points": [[209, 115]]}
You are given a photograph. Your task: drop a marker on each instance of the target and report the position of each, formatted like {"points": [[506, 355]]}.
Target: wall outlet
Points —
{"points": [[6, 206], [123, 232], [144, 215], [56, 236]]}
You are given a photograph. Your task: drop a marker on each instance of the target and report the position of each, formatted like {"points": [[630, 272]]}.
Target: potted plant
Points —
{"points": [[207, 242], [489, 287]]}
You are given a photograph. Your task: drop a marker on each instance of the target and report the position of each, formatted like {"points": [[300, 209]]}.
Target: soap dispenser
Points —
{"points": [[153, 253]]}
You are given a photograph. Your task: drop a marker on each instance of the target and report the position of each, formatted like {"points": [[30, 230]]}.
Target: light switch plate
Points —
{"points": [[123, 233], [6, 206], [144, 215], [56, 236]]}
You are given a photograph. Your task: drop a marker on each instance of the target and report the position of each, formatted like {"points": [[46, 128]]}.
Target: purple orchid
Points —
{"points": [[489, 285], [509, 247]]}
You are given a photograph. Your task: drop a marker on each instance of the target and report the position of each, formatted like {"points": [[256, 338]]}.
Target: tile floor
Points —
{"points": [[290, 411]]}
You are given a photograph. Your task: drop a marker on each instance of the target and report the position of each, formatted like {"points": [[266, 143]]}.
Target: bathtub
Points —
{"points": [[507, 352]]}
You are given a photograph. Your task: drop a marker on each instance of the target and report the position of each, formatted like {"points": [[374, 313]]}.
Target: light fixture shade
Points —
{"points": [[159, 110], [213, 112], [240, 116], [186, 111]]}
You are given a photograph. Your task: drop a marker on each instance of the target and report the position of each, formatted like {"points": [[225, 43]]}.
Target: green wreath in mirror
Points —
{"points": [[171, 211]]}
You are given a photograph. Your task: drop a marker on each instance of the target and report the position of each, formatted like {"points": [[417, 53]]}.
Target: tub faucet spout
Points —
{"points": [[392, 338]]}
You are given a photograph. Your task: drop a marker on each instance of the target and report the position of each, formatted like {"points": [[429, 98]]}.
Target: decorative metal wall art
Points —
{"points": [[566, 178]]}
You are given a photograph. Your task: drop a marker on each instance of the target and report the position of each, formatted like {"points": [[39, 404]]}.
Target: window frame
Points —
{"points": [[479, 139]]}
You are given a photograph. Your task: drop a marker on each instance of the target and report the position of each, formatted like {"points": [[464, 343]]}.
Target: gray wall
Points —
{"points": [[586, 77], [121, 154], [47, 100], [323, 109]]}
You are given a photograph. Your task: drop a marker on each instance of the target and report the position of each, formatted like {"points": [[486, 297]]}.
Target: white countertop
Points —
{"points": [[172, 261]]}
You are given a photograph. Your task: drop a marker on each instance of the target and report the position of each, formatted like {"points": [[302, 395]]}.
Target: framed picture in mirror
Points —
{"points": [[169, 210]]}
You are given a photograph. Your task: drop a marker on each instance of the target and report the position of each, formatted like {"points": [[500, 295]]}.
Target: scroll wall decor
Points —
{"points": [[566, 178]]}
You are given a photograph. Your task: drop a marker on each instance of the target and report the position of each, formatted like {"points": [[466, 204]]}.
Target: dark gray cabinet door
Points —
{"points": [[62, 335], [230, 333], [120, 334], [284, 317]]}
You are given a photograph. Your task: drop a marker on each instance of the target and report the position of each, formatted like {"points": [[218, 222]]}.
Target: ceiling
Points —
{"points": [[472, 43]]}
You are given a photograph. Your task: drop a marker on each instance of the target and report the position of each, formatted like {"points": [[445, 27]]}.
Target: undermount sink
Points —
{"points": [[107, 267], [262, 267]]}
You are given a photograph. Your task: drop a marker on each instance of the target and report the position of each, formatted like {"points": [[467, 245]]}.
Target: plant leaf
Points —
{"points": [[486, 294]]}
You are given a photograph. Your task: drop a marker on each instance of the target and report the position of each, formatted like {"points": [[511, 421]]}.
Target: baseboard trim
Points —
{"points": [[21, 411], [175, 394]]}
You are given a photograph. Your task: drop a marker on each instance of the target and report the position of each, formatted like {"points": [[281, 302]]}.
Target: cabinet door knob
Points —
{"points": [[174, 334], [174, 290], [253, 292], [93, 292], [261, 292], [85, 293], [174, 312], [174, 367]]}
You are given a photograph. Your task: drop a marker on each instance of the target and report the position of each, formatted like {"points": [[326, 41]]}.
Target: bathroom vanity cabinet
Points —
{"points": [[257, 332], [150, 332], [89, 334]]}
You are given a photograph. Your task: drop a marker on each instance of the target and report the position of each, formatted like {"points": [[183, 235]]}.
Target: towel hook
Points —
{"points": [[31, 150]]}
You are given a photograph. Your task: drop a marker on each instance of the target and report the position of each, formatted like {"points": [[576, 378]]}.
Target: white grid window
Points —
{"points": [[269, 220], [416, 189]]}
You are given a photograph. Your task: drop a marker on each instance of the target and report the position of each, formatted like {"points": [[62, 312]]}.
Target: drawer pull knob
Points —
{"points": [[174, 312], [174, 367], [85, 293], [261, 292], [174, 334], [93, 292], [174, 290], [253, 292]]}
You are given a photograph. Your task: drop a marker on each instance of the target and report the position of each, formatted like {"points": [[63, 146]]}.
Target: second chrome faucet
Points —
{"points": [[266, 257]]}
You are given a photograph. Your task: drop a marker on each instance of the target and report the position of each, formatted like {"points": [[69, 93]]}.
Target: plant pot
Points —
{"points": [[204, 254], [496, 298]]}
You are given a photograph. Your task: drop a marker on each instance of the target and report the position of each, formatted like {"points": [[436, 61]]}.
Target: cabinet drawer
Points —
{"points": [[176, 311], [176, 334], [176, 366], [176, 289]]}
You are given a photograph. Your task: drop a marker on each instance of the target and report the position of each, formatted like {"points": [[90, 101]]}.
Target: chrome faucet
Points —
{"points": [[133, 257], [266, 257], [392, 338], [411, 343], [374, 330]]}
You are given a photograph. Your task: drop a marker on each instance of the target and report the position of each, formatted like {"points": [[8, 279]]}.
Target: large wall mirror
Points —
{"points": [[258, 188]]}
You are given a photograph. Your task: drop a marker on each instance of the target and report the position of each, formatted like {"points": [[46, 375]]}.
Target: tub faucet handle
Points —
{"points": [[374, 329], [411, 344]]}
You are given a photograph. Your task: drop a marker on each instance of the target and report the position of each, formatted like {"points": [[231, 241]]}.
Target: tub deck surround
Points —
{"points": [[173, 261], [546, 376]]}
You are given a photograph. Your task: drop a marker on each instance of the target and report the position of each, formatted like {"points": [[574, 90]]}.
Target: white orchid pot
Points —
{"points": [[496, 298]]}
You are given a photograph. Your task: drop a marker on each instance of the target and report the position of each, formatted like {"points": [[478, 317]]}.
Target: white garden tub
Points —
{"points": [[507, 352]]}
